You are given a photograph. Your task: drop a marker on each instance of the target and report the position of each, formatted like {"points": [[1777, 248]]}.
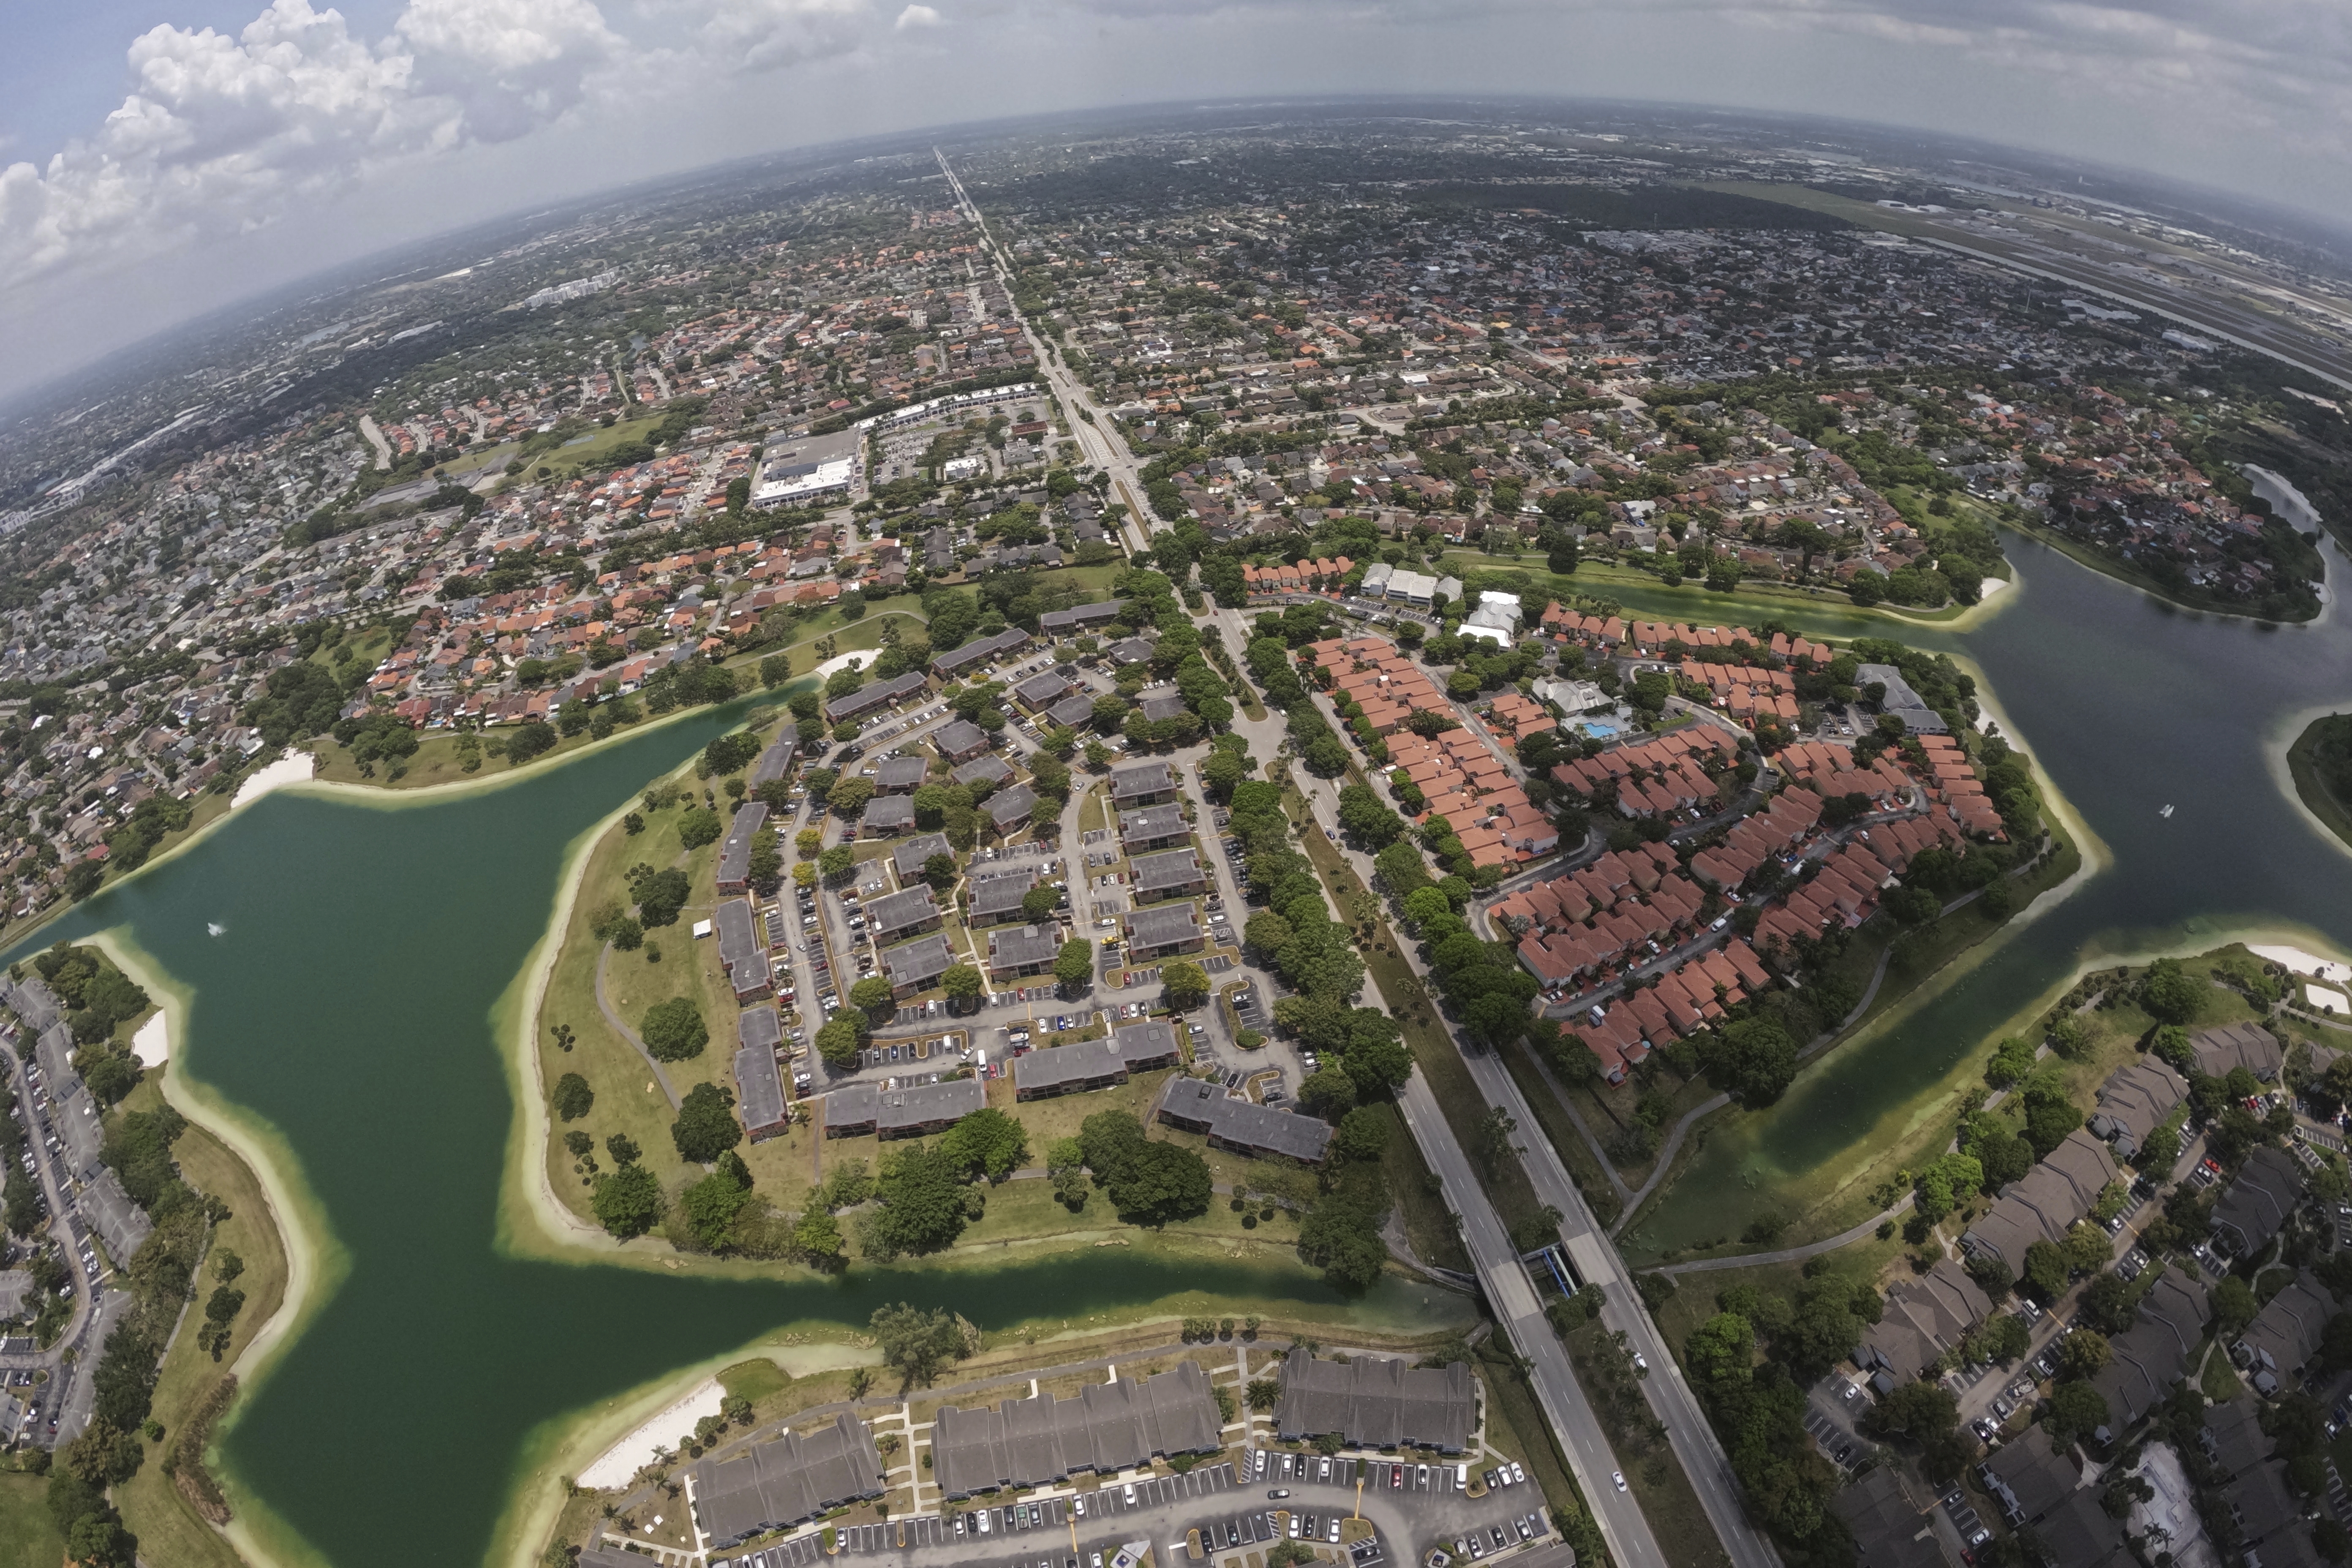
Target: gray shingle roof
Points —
{"points": [[895, 912], [889, 813], [919, 961], [1105, 1427], [1377, 1402], [1007, 808], [2269, 1186], [909, 857], [985, 770], [1020, 947], [874, 696], [797, 1477], [1205, 1108], [2248, 1046], [1078, 617], [959, 736], [995, 898], [1152, 823], [897, 774], [1163, 927], [1142, 779], [1172, 868]]}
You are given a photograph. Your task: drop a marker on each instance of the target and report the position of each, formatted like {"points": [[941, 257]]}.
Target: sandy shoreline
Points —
{"points": [[295, 767], [668, 1428]]}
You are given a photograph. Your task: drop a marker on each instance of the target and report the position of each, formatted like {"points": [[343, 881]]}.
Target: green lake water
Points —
{"points": [[346, 1003], [2130, 706]]}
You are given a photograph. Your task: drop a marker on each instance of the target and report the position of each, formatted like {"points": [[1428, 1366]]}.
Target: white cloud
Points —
{"points": [[916, 17], [767, 35]]}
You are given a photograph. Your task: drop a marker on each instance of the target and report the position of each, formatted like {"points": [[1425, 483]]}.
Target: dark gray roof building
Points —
{"points": [[2284, 1335], [2043, 1203], [1023, 950], [1889, 1530], [918, 965], [122, 1224], [875, 696], [1009, 808], [1081, 617], [959, 739], [741, 951], [998, 898], [858, 1110], [1042, 689], [989, 770], [2248, 1046], [1141, 784], [887, 813], [1075, 713], [1165, 705], [1150, 827], [2269, 1186], [1167, 874], [1377, 1402], [897, 775], [2151, 1356], [1901, 701], [894, 914], [909, 857], [1242, 1125], [759, 1085], [1170, 929], [1923, 1319], [979, 651], [2029, 1478], [1105, 1427], [2135, 1100], [772, 1486], [778, 759], [1096, 1064], [2234, 1438]]}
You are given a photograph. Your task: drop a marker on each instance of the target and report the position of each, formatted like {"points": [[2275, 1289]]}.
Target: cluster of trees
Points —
{"points": [[1481, 980], [98, 1000], [1341, 1234], [1149, 1180], [1758, 1407], [1296, 934]]}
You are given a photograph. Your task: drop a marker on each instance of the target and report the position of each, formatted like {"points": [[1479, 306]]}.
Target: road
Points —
{"points": [[1595, 1262], [1096, 444]]}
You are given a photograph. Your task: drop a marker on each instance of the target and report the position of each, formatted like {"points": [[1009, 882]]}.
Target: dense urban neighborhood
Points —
{"points": [[1324, 705]]}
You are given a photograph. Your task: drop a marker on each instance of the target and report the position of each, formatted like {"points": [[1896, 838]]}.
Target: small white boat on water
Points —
{"points": [[2166, 812]]}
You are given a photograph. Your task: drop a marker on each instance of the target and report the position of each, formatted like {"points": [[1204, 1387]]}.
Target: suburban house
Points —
{"points": [[2285, 1334], [1889, 1530], [1008, 810], [2043, 1203], [887, 815], [1923, 1319], [1081, 618], [908, 858], [985, 769], [959, 740], [2135, 1101], [1042, 689], [2216, 1052], [2038, 1487], [2151, 1355], [900, 775]]}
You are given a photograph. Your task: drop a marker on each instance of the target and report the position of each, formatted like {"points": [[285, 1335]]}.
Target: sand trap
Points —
{"points": [[2303, 963], [295, 767], [619, 1463], [152, 1043], [2321, 999]]}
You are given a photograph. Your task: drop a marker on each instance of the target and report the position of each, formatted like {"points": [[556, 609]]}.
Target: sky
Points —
{"points": [[161, 158]]}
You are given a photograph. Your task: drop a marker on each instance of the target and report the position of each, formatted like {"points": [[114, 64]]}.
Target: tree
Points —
{"points": [[2076, 1411], [626, 1200], [987, 1142], [706, 1125], [1753, 1060], [2083, 1352], [919, 1342], [817, 1240], [848, 797], [698, 828], [923, 1206], [1329, 1092], [2172, 994], [2045, 1270], [1263, 1393], [839, 1042], [1162, 1182], [711, 1204], [1075, 964], [1491, 1144], [674, 1030], [2233, 1309], [2088, 1247], [963, 985], [1362, 1134], [1341, 1235], [875, 996], [1038, 904], [573, 1097], [836, 862], [1186, 986]]}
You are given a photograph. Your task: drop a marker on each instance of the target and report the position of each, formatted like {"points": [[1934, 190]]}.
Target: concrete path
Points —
{"points": [[626, 1033]]}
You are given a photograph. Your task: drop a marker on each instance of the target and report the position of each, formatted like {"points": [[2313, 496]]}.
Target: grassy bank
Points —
{"points": [[168, 1526], [2322, 739], [1821, 612]]}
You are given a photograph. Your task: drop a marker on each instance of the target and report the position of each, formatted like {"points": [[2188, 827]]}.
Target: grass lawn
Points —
{"points": [[1821, 612], [628, 1098], [28, 1536], [1432, 1049], [2219, 1380], [2303, 765], [587, 449], [169, 1529]]}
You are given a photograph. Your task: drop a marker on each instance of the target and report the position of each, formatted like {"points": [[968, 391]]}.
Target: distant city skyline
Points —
{"points": [[165, 157]]}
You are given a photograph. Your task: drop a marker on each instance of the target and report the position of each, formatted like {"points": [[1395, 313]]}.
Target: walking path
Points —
{"points": [[626, 1033]]}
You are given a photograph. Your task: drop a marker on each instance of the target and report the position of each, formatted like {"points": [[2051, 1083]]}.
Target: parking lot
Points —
{"points": [[1236, 1507]]}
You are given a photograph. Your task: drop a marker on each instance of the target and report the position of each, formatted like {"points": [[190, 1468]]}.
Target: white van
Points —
{"points": [[982, 1516], [1461, 1478]]}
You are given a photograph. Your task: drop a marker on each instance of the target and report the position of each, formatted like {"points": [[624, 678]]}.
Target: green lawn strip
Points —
{"points": [[1429, 1225], [2303, 765], [168, 1527], [1604, 1371], [2219, 1381], [1574, 1152], [1432, 1049], [28, 1536], [1645, 596]]}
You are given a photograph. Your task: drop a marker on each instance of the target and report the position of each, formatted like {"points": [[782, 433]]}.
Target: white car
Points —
{"points": [[1618, 1478]]}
